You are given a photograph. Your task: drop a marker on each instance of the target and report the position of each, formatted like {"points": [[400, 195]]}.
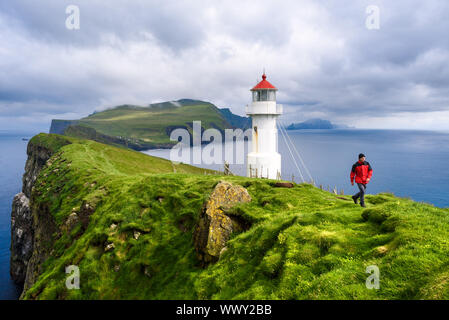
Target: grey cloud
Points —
{"points": [[320, 56], [175, 24]]}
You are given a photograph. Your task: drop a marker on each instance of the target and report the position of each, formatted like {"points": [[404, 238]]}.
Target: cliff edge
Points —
{"points": [[24, 228], [140, 227]]}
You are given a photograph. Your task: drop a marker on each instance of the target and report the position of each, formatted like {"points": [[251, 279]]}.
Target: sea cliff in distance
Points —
{"points": [[317, 124], [148, 127]]}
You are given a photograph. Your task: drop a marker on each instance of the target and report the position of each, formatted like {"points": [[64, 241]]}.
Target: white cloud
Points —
{"points": [[321, 57]]}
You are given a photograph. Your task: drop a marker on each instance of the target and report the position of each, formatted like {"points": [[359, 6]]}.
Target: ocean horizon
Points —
{"points": [[400, 160]]}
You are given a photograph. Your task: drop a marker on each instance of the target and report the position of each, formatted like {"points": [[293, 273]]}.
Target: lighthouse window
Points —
{"points": [[264, 95]]}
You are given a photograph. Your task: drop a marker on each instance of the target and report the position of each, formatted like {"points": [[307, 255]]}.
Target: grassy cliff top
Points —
{"points": [[303, 243]]}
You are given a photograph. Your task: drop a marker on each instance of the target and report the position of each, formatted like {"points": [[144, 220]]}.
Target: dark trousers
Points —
{"points": [[361, 194]]}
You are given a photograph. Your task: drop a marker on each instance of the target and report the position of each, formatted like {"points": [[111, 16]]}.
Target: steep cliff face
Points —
{"points": [[59, 126], [37, 157], [21, 237], [26, 220]]}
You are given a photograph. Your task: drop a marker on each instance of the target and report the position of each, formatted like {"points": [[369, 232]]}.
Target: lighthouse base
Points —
{"points": [[264, 165]]}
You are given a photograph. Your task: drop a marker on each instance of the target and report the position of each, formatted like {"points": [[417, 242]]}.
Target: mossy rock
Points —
{"points": [[375, 215], [390, 224], [215, 226], [378, 199]]}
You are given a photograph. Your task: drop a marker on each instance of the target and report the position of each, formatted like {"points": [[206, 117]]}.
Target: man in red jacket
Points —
{"points": [[362, 172]]}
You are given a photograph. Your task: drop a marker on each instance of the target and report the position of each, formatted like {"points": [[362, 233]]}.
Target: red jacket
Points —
{"points": [[362, 172]]}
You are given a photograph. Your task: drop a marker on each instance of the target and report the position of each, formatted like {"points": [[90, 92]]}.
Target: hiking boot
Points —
{"points": [[363, 205], [355, 199]]}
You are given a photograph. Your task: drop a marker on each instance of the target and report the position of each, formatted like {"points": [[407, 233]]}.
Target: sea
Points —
{"points": [[12, 165], [408, 163]]}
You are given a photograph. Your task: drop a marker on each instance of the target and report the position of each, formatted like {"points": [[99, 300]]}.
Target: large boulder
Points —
{"points": [[216, 225]]}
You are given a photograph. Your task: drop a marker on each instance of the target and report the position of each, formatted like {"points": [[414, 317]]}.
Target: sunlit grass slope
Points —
{"points": [[303, 243]]}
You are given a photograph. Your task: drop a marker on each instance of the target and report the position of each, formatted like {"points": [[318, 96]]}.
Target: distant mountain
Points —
{"points": [[148, 127], [236, 120], [315, 124]]}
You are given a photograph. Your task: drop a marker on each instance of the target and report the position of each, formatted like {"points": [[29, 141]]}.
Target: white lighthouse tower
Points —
{"points": [[263, 160]]}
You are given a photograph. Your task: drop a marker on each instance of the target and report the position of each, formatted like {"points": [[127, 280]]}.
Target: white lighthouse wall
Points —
{"points": [[265, 139], [262, 107], [264, 160], [264, 165]]}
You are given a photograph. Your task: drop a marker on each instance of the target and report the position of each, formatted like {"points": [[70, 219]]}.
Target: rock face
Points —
{"points": [[37, 157], [21, 237], [284, 185], [29, 223], [216, 225], [59, 126]]}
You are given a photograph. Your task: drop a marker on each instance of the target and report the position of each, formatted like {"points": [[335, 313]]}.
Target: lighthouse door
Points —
{"points": [[256, 139]]}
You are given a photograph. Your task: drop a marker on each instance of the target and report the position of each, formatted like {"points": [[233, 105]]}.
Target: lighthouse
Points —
{"points": [[263, 160]]}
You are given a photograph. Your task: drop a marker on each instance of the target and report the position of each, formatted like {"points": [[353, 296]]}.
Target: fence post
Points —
{"points": [[227, 171]]}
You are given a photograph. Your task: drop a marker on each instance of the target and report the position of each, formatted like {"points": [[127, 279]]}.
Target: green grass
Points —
{"points": [[304, 243]]}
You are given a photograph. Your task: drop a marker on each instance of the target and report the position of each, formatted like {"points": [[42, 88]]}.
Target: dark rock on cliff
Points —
{"points": [[37, 157], [284, 185], [44, 228], [21, 237], [59, 126]]}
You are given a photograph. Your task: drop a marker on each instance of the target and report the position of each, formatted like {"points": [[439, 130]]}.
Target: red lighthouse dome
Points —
{"points": [[264, 84]]}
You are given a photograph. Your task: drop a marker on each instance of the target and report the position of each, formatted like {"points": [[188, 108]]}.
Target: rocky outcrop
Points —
{"points": [[29, 223], [44, 228], [21, 237], [37, 158], [216, 223], [284, 185], [59, 126]]}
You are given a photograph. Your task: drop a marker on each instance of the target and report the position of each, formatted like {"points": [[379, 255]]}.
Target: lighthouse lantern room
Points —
{"points": [[263, 160]]}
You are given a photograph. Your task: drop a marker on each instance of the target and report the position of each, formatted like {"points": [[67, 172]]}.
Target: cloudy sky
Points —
{"points": [[320, 54]]}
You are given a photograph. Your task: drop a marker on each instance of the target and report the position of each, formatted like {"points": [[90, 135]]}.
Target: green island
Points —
{"points": [[148, 127]]}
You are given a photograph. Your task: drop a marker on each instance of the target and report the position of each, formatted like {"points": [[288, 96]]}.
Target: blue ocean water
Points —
{"points": [[407, 163], [12, 163]]}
